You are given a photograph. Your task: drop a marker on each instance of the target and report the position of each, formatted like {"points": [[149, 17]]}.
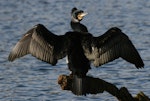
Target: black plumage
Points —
{"points": [[42, 44], [80, 48], [77, 61]]}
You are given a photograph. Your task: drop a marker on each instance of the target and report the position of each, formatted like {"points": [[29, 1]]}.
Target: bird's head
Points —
{"points": [[77, 15]]}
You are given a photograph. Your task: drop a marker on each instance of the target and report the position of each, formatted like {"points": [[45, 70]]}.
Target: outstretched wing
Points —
{"points": [[112, 45], [42, 44]]}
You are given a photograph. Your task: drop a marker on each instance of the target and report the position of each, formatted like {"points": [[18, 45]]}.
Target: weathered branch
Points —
{"points": [[96, 85]]}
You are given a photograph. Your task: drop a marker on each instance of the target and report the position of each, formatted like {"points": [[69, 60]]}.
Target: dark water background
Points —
{"points": [[29, 79]]}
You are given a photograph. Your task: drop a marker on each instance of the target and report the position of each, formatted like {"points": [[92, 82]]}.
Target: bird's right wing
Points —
{"points": [[42, 44]]}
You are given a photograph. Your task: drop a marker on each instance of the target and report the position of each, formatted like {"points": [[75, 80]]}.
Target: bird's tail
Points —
{"points": [[78, 85]]}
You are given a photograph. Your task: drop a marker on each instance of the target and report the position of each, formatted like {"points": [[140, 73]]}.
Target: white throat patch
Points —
{"points": [[74, 20]]}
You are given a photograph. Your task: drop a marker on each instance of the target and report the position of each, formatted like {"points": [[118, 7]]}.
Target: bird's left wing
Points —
{"points": [[110, 46], [42, 44]]}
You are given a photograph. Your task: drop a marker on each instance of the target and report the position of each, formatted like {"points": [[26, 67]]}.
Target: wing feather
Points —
{"points": [[112, 45], [22, 47], [42, 44]]}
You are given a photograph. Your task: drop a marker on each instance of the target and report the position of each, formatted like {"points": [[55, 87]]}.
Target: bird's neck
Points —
{"points": [[74, 20], [75, 26]]}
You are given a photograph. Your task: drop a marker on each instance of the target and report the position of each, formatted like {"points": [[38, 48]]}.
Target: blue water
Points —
{"points": [[29, 79]]}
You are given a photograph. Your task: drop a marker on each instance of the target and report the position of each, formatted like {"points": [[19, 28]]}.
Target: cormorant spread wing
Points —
{"points": [[42, 44], [110, 46]]}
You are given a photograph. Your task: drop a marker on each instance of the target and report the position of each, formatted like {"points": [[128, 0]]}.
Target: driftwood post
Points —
{"points": [[96, 85]]}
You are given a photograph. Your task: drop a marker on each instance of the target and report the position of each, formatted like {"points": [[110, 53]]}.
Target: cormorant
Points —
{"points": [[76, 16], [80, 48]]}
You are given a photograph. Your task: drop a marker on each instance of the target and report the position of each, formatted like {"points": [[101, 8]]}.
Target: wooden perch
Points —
{"points": [[96, 85]]}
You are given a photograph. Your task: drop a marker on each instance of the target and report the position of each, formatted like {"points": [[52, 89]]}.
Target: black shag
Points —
{"points": [[80, 48], [76, 16]]}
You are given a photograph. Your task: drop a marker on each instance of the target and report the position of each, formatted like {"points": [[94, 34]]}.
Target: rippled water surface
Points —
{"points": [[29, 79]]}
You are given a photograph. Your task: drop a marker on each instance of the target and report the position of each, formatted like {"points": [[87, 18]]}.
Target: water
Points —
{"points": [[29, 79]]}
